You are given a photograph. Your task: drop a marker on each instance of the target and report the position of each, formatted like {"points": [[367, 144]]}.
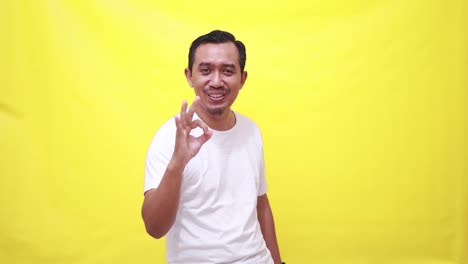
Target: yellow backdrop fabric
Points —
{"points": [[361, 105]]}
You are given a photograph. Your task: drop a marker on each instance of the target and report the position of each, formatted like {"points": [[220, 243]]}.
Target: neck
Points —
{"points": [[221, 122]]}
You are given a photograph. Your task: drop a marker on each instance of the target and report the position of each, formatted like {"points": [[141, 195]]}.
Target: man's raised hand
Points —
{"points": [[186, 145]]}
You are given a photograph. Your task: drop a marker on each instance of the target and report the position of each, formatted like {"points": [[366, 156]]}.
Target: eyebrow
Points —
{"points": [[226, 65], [229, 66]]}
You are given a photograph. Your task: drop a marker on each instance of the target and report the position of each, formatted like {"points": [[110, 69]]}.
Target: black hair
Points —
{"points": [[217, 36]]}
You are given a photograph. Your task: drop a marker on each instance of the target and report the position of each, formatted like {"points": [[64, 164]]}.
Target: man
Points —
{"points": [[205, 186]]}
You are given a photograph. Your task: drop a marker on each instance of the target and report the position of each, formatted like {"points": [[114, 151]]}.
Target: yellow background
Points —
{"points": [[361, 104]]}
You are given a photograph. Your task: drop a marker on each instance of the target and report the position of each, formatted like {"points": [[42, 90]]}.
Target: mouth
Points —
{"points": [[216, 96]]}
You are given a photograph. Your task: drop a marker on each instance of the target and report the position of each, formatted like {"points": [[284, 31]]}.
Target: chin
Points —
{"points": [[216, 111]]}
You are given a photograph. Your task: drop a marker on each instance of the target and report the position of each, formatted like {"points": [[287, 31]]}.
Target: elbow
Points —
{"points": [[154, 232], [157, 224], [154, 228]]}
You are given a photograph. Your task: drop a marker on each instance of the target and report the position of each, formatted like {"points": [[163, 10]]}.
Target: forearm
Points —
{"points": [[160, 205], [267, 225]]}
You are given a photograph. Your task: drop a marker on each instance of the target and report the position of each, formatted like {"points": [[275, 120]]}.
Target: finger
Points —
{"points": [[183, 111], [205, 136], [192, 108], [177, 121], [199, 123], [207, 133], [180, 128]]}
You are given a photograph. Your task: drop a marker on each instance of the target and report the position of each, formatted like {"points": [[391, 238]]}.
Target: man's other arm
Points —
{"points": [[267, 225]]}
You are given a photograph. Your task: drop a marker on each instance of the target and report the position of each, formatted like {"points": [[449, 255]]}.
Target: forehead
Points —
{"points": [[215, 53]]}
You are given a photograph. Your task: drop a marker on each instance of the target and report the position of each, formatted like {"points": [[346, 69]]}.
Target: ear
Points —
{"points": [[243, 78], [188, 75]]}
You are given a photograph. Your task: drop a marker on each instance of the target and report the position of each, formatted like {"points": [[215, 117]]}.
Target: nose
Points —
{"points": [[216, 80]]}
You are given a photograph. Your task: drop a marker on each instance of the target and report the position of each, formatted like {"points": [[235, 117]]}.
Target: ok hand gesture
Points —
{"points": [[186, 145]]}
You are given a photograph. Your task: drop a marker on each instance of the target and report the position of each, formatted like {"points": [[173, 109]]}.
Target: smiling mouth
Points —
{"points": [[216, 97]]}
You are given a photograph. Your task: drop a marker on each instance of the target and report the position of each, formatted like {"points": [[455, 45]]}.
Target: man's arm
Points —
{"points": [[160, 206], [267, 225]]}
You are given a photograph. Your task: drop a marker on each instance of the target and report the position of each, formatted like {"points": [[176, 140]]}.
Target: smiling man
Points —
{"points": [[205, 187]]}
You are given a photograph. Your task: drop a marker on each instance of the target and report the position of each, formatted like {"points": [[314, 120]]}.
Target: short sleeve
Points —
{"points": [[262, 186], [159, 154]]}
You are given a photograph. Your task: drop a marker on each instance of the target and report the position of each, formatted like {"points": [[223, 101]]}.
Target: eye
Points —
{"points": [[205, 70], [228, 72]]}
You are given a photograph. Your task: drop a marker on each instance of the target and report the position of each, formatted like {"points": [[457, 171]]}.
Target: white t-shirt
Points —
{"points": [[216, 220]]}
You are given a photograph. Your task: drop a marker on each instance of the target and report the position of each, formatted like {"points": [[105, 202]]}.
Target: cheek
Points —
{"points": [[200, 82], [235, 86], [199, 89]]}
